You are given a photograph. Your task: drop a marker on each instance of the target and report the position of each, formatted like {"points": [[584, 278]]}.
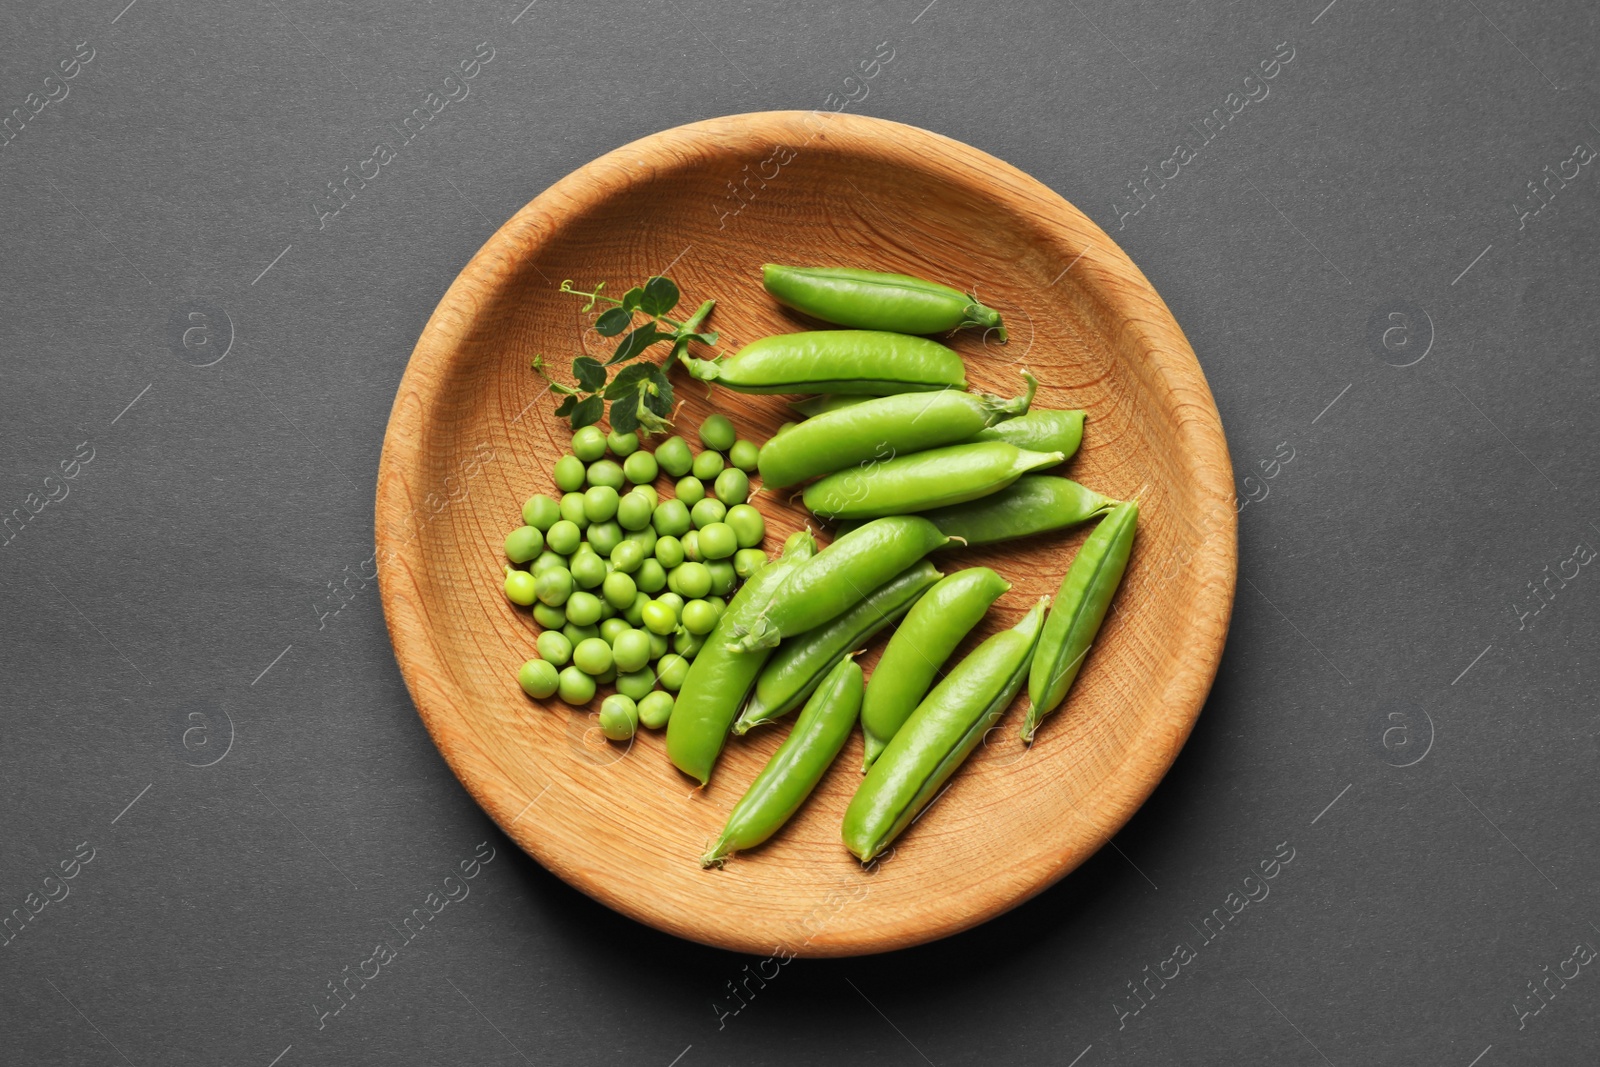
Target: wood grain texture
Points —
{"points": [[471, 435]]}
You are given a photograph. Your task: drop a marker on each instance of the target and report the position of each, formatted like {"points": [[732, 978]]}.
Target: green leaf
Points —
{"points": [[636, 342], [566, 405], [660, 296], [632, 299], [588, 411], [613, 321], [624, 418], [589, 372], [627, 381]]}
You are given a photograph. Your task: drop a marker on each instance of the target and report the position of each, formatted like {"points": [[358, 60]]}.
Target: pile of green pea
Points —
{"points": [[625, 584]]}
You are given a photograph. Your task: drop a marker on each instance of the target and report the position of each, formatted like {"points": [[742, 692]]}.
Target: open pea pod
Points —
{"points": [[939, 736], [1080, 608]]}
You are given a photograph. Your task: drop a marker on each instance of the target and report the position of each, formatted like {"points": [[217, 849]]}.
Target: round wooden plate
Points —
{"points": [[472, 434]]}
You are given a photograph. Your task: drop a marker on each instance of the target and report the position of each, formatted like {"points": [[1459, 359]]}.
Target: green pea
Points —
{"points": [[746, 455], [669, 551], [691, 546], [554, 646], [605, 472], [708, 511], [613, 628], [641, 468], [627, 556], [548, 617], [622, 444], [749, 528], [524, 543], [546, 560], [648, 490], [591, 655], [564, 537], [671, 517], [690, 490], [579, 634], [671, 670], [733, 486], [539, 678], [707, 465], [600, 503], [636, 685], [635, 611], [747, 561], [717, 432], [699, 617], [646, 539], [723, 576], [588, 569], [688, 645], [619, 590], [655, 709], [693, 580], [660, 618], [630, 650], [634, 510], [719, 603], [540, 512], [553, 586], [589, 443], [651, 576], [673, 600], [583, 609], [521, 587], [607, 611], [569, 473], [674, 456], [717, 541], [619, 717], [575, 687], [607, 676], [572, 509], [605, 536]]}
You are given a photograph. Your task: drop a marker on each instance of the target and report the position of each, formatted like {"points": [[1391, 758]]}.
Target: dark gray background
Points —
{"points": [[165, 613]]}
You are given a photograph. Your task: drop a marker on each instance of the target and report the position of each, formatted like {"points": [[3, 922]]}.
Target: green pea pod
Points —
{"points": [[881, 428], [1034, 503], [1040, 430], [840, 576], [921, 481], [870, 300], [795, 769], [802, 661], [1080, 607], [940, 734], [719, 680], [835, 361], [919, 647], [817, 405]]}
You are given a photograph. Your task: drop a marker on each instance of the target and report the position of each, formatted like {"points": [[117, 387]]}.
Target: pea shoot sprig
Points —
{"points": [[640, 396]]}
